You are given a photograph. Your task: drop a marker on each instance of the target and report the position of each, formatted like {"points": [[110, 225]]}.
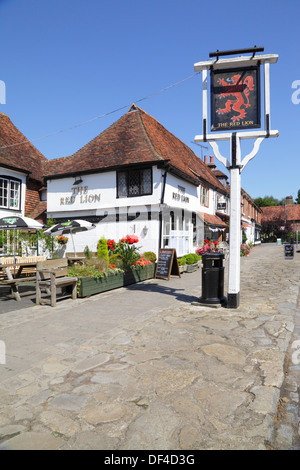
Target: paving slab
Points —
{"points": [[146, 368]]}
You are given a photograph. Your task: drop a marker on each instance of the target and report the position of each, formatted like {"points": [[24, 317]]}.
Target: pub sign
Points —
{"points": [[235, 99]]}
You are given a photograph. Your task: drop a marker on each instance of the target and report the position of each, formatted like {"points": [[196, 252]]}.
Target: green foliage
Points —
{"points": [[117, 260], [192, 258], [149, 255], [87, 252], [102, 249], [244, 237], [267, 201], [182, 261], [271, 230], [84, 270], [128, 252]]}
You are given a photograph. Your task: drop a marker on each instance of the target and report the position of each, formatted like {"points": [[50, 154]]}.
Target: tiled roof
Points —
{"points": [[272, 213], [135, 138], [211, 219], [24, 157], [39, 212], [220, 173]]}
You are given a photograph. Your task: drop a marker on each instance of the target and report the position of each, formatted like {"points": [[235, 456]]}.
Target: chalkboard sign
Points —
{"points": [[167, 263], [288, 251]]}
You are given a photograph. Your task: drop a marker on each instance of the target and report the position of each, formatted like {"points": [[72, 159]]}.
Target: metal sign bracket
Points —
{"points": [[236, 164]]}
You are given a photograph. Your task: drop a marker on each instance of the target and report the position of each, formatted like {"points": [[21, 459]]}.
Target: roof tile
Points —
{"points": [[17, 152], [135, 138]]}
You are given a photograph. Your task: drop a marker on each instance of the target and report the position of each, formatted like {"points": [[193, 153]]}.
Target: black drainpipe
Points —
{"points": [[161, 202]]}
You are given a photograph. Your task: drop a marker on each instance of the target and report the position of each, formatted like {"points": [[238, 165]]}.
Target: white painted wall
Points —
{"points": [[97, 196]]}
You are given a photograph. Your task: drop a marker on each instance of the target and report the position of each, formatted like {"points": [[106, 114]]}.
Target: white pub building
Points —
{"points": [[138, 178]]}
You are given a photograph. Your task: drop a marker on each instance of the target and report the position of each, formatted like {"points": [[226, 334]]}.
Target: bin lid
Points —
{"points": [[213, 255]]}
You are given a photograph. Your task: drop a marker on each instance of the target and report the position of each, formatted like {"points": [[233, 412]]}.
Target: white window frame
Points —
{"points": [[13, 194], [204, 196]]}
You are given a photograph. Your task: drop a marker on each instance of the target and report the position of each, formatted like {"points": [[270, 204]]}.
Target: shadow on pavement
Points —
{"points": [[164, 290]]}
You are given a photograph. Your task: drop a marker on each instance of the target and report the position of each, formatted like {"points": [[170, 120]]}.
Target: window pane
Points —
{"points": [[3, 192], [14, 194], [146, 181], [134, 183], [122, 184]]}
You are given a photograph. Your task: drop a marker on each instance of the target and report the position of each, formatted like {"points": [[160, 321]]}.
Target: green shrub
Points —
{"points": [[128, 251], [182, 261], [87, 252], [84, 271], [102, 249], [192, 258], [117, 260], [149, 255]]}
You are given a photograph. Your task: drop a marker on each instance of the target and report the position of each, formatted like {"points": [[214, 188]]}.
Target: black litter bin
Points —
{"points": [[212, 279]]}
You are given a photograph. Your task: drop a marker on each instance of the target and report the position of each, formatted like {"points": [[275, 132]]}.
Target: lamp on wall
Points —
{"points": [[78, 180]]}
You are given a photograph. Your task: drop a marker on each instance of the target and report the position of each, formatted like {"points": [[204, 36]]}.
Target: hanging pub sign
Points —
{"points": [[221, 206], [235, 99]]}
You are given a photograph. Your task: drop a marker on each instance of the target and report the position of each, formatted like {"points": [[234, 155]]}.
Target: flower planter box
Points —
{"points": [[90, 285], [183, 268], [190, 268]]}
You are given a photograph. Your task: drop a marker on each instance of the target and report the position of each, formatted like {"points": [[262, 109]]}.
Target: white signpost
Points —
{"points": [[236, 87]]}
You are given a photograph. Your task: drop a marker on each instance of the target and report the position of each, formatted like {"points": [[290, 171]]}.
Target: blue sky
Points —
{"points": [[65, 62]]}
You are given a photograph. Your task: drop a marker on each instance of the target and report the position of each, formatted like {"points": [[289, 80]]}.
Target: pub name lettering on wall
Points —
{"points": [[180, 195], [80, 192]]}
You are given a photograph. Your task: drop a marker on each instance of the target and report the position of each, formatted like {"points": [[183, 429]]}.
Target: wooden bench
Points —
{"points": [[51, 274]]}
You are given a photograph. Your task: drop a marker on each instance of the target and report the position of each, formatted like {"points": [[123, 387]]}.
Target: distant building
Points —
{"points": [[251, 216]]}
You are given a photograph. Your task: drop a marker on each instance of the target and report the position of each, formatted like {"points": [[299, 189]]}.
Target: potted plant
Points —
{"points": [[192, 262], [182, 264]]}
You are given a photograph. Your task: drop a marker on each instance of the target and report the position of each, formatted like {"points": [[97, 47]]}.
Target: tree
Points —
{"points": [[298, 198], [267, 201], [273, 228]]}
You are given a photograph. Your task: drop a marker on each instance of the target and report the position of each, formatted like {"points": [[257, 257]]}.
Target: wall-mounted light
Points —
{"points": [[78, 180]]}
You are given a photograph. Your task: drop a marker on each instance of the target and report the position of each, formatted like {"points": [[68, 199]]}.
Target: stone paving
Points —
{"points": [[142, 368]]}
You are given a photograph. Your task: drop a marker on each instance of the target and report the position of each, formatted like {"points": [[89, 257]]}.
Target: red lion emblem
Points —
{"points": [[238, 89]]}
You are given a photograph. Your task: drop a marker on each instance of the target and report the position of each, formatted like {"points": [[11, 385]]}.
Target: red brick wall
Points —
{"points": [[32, 197]]}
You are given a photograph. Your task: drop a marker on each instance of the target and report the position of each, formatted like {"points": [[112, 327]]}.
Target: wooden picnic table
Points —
{"points": [[13, 280], [20, 267]]}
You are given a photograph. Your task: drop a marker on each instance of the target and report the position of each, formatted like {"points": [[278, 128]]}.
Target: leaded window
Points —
{"points": [[134, 182]]}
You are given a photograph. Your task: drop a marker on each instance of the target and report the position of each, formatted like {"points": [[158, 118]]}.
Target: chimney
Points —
{"points": [[289, 200], [205, 159], [211, 164]]}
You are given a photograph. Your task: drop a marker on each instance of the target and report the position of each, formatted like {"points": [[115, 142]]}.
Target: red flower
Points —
{"points": [[142, 262], [130, 239]]}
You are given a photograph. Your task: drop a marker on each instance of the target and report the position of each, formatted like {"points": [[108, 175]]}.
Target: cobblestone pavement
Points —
{"points": [[143, 368]]}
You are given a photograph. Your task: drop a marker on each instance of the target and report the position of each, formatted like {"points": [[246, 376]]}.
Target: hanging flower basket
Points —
{"points": [[62, 240]]}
